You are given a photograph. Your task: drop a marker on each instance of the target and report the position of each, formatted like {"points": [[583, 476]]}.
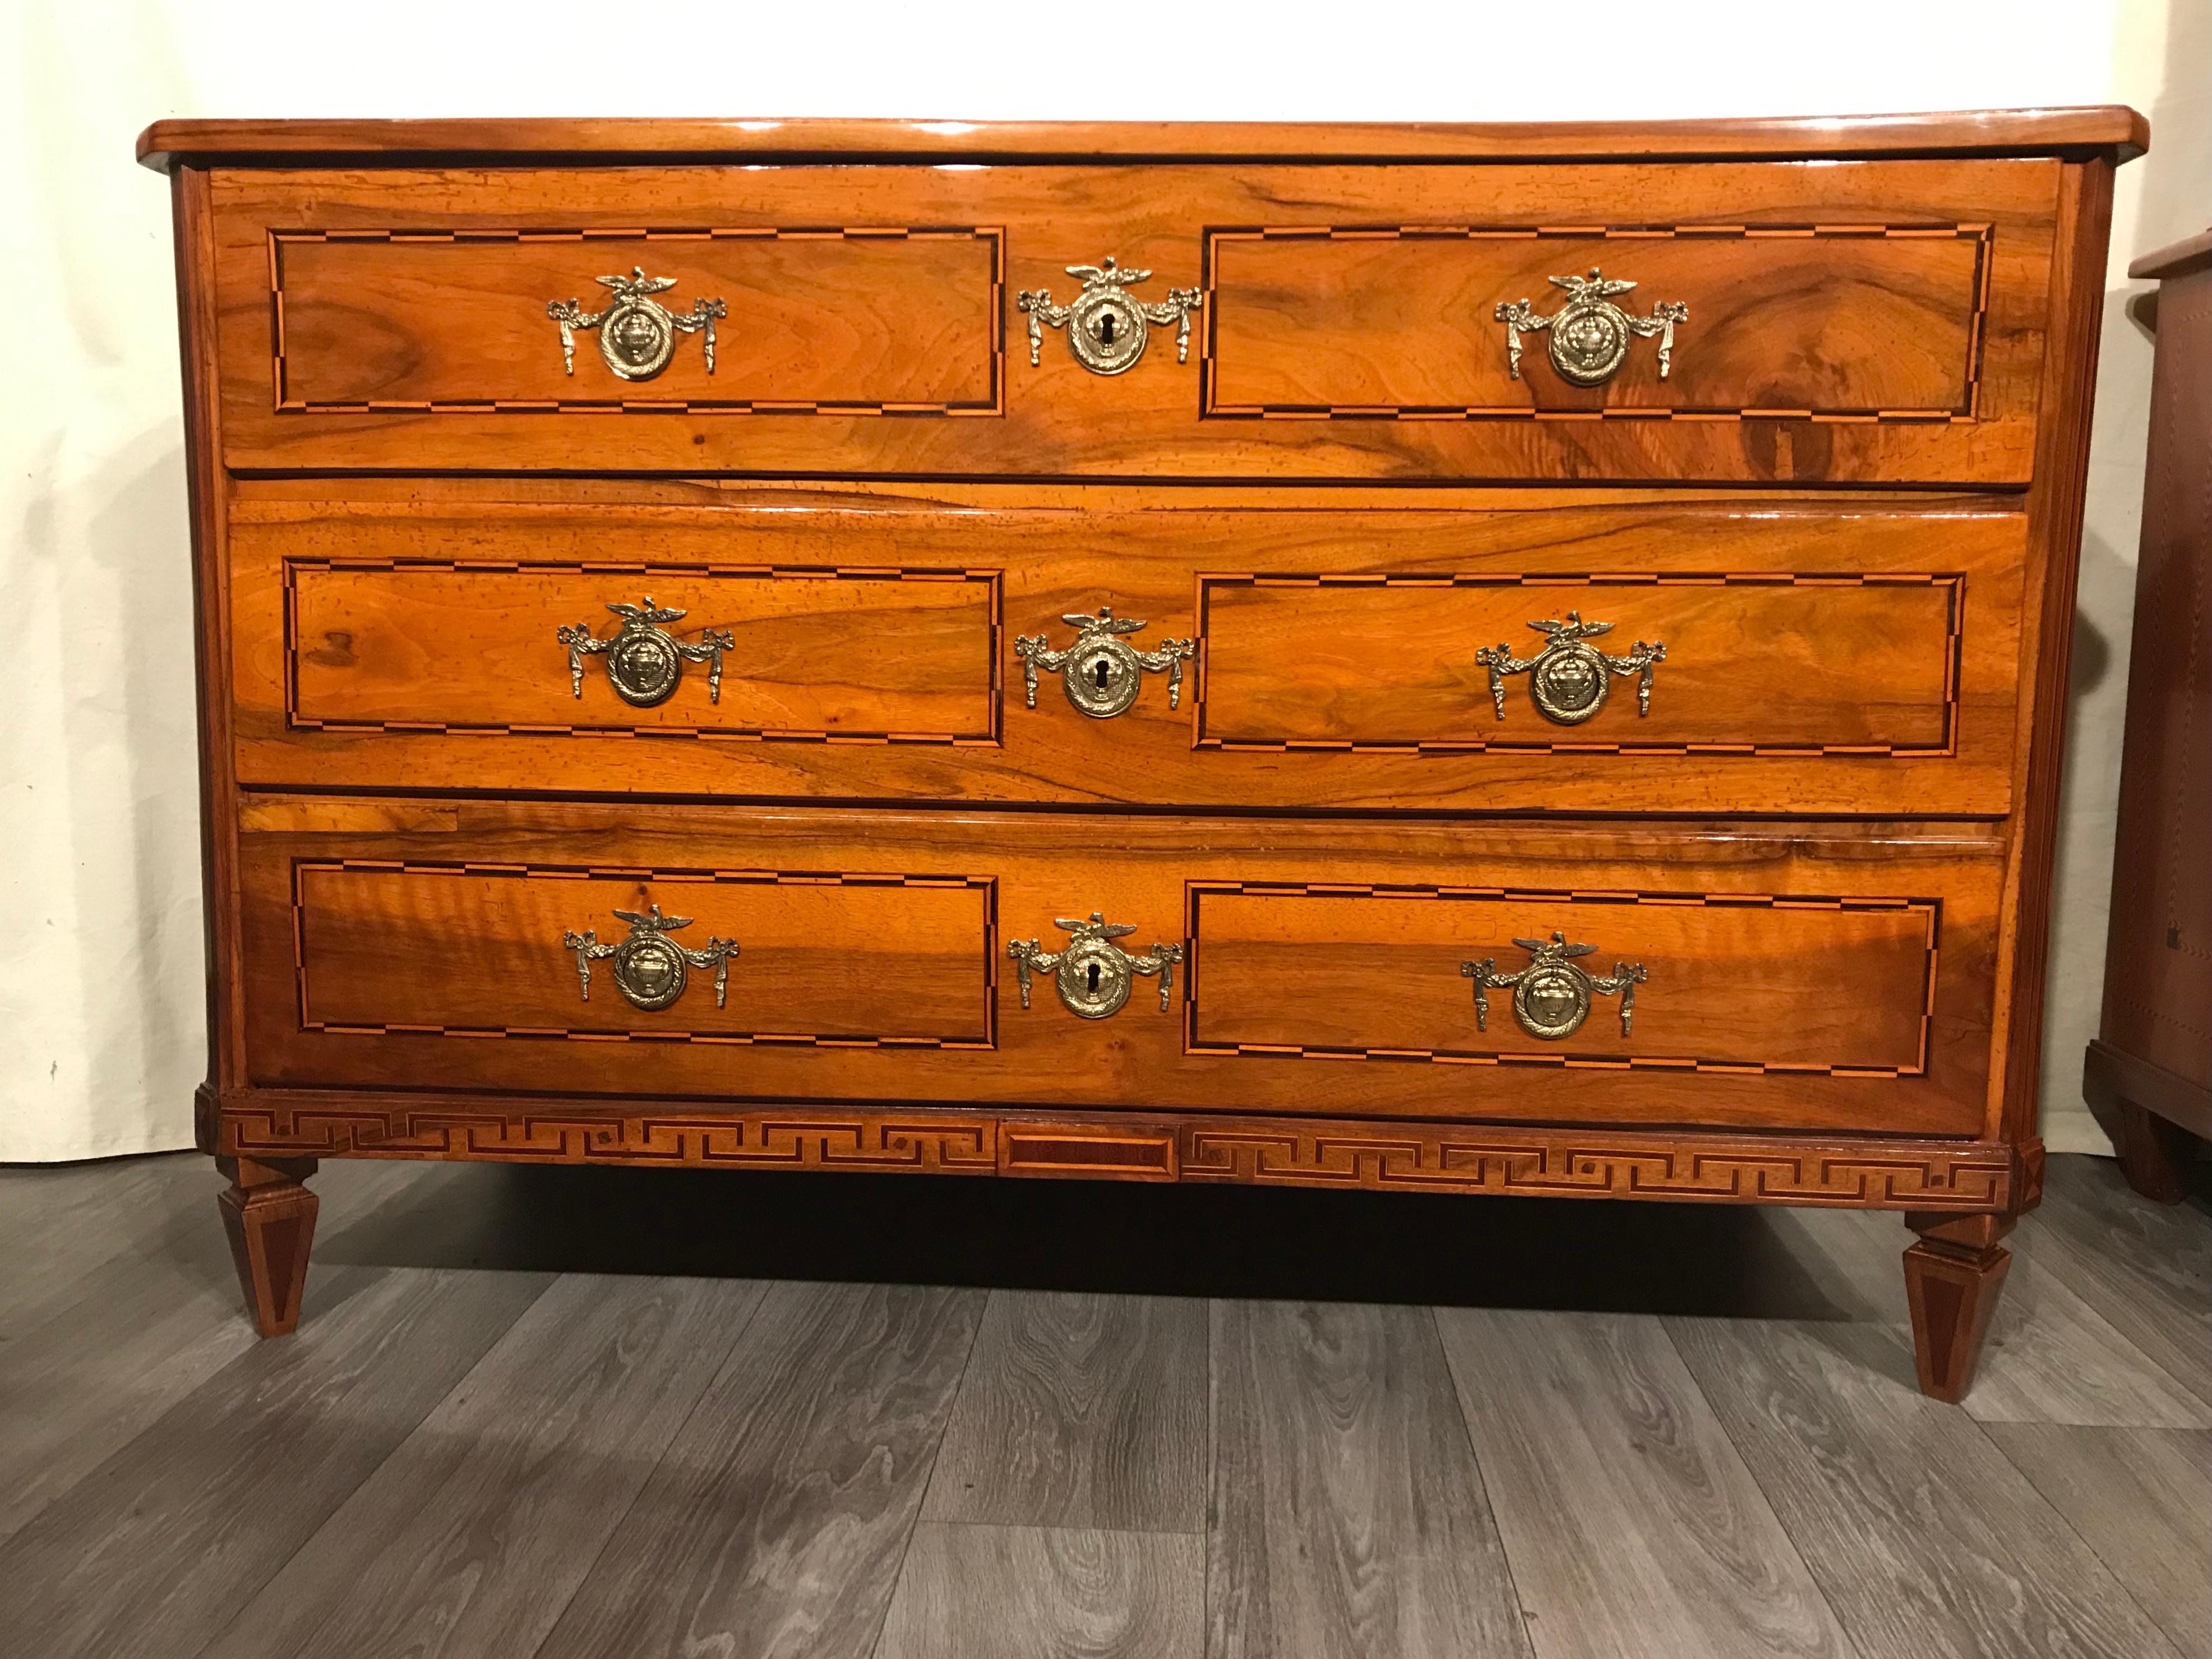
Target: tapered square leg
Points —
{"points": [[1951, 1279], [271, 1218]]}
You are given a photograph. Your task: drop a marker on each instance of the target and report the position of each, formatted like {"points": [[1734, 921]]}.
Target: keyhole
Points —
{"points": [[1106, 329], [1094, 978], [1098, 674]]}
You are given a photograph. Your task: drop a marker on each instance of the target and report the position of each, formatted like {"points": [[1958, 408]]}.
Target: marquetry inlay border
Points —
{"points": [[1952, 586], [1928, 910], [992, 582], [996, 404], [1210, 408], [1870, 1172], [562, 962]]}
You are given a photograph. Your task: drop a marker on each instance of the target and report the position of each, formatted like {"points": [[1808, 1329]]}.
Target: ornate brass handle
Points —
{"points": [[1589, 333], [1092, 972], [1106, 324], [637, 333], [644, 660], [1569, 678], [1552, 995], [1101, 672], [650, 968]]}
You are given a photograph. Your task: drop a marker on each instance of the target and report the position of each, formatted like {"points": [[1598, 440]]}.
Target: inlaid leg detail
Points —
{"points": [[271, 1218], [1951, 1277]]}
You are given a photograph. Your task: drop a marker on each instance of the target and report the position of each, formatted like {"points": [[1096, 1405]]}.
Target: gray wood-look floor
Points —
{"points": [[614, 1414]]}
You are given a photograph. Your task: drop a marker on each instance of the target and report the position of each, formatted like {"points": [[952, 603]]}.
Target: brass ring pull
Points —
{"points": [[1552, 995], [1107, 325], [650, 969], [1569, 678], [644, 660], [1101, 672], [637, 333], [1092, 974], [1589, 333]]}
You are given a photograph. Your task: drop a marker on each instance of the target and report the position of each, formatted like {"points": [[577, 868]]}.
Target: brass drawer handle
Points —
{"points": [[644, 660], [1106, 324], [637, 333], [1092, 972], [1552, 995], [650, 968], [1569, 678], [1101, 672], [1589, 333]]}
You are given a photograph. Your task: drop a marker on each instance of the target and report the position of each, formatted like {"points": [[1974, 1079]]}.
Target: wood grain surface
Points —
{"points": [[1079, 1411], [1817, 340], [776, 1521], [848, 975], [1599, 1436], [294, 1429], [1921, 1536], [990, 1592], [170, 142], [2143, 1500], [471, 1535], [1348, 1517], [1861, 660]]}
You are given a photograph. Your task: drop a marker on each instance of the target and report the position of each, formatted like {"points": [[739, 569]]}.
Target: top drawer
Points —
{"points": [[1790, 322]]}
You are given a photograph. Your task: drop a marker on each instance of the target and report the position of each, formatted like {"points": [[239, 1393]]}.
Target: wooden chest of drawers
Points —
{"points": [[1478, 660]]}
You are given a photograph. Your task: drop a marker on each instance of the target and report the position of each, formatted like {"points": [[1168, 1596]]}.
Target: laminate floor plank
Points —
{"points": [[970, 1591], [2146, 1267], [473, 1535], [2142, 1499], [2051, 1356], [138, 1332], [1348, 1519], [154, 1551], [776, 1519], [1923, 1537], [1079, 1411], [58, 1224], [1630, 1523]]}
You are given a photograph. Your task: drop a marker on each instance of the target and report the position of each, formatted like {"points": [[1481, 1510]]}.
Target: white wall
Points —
{"points": [[100, 992]]}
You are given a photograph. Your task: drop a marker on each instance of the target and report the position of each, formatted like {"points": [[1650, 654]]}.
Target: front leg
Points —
{"points": [[1951, 1279], [270, 1216]]}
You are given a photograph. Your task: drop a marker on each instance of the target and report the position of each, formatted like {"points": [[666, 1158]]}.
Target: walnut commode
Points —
{"points": [[1801, 457]]}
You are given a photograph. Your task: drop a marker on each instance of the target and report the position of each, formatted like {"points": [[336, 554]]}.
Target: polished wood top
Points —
{"points": [[2113, 127]]}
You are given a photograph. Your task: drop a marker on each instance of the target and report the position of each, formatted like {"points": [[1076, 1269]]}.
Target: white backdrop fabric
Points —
{"points": [[101, 977]]}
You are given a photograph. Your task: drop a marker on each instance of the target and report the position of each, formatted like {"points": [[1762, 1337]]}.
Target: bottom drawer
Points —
{"points": [[1824, 978]]}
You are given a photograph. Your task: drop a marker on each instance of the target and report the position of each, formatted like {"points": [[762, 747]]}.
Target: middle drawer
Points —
{"points": [[1699, 658]]}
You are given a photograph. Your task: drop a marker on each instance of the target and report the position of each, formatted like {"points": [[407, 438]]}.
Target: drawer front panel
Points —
{"points": [[1804, 664], [905, 320], [1814, 661], [1812, 978], [1868, 321], [1767, 982], [1849, 322], [788, 653]]}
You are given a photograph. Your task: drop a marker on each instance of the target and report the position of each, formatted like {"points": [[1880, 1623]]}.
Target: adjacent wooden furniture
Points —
{"points": [[1460, 658], [2149, 1069]]}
